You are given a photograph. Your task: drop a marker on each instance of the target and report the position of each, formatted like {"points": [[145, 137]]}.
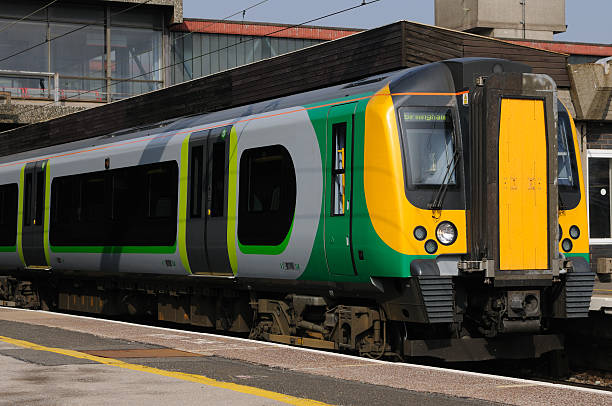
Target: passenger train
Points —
{"points": [[432, 211]]}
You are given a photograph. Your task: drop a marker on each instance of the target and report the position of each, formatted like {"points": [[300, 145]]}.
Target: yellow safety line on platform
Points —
{"points": [[291, 400], [603, 290]]}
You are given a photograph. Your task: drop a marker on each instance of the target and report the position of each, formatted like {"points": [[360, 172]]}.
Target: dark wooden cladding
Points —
{"points": [[395, 46]]}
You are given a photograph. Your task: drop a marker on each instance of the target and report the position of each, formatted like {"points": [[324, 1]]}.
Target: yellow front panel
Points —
{"points": [[523, 208]]}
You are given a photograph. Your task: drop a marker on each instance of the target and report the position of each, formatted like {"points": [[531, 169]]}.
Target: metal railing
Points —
{"points": [[25, 92]]}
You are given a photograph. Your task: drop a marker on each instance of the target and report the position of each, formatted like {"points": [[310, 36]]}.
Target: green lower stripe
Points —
{"points": [[9, 248], [267, 249], [115, 249], [582, 254]]}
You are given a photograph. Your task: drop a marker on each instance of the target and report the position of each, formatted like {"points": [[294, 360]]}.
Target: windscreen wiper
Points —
{"points": [[436, 203]]}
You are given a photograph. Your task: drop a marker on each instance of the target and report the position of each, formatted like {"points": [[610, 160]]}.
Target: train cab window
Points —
{"points": [[428, 145], [267, 195], [8, 214], [569, 189], [338, 164]]}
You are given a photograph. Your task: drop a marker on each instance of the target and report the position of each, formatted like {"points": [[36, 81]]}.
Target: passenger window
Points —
{"points": [[160, 198], [8, 214], [267, 195], [197, 155], [338, 164], [217, 179], [40, 197], [134, 206], [27, 200]]}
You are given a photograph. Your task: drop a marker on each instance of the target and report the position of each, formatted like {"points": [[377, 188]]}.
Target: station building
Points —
{"points": [[74, 55]]}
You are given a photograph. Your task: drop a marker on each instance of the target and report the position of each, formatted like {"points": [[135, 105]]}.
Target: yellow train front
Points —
{"points": [[477, 189]]}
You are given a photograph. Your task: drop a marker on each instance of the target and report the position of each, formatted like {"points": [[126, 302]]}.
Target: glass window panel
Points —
{"points": [[134, 53], [428, 144], [187, 57], [19, 37], [267, 195], [214, 55], [143, 16], [249, 50], [257, 48], [266, 52], [564, 167], [283, 46], [121, 90], [78, 53], [26, 88], [77, 14], [22, 8], [338, 161], [240, 52], [197, 58], [205, 54], [222, 52], [599, 197], [232, 40], [82, 89], [177, 59], [274, 46]]}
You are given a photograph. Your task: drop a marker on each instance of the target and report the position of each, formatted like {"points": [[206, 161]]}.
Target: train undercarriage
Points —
{"points": [[447, 318]]}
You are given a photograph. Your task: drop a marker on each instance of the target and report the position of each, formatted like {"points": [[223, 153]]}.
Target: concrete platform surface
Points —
{"points": [[52, 358]]}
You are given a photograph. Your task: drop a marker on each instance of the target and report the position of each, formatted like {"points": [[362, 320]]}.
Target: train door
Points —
{"points": [[33, 211], [196, 203], [216, 206], [523, 192], [338, 238]]}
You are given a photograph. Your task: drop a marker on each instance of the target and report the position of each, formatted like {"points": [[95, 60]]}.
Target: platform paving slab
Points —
{"points": [[410, 378]]}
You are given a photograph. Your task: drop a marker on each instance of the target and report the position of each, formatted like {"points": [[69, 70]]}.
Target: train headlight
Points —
{"points": [[420, 233], [574, 232], [446, 233], [567, 245], [431, 246]]}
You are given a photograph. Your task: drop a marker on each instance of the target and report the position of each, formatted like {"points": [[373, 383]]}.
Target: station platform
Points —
{"points": [[52, 358], [602, 297]]}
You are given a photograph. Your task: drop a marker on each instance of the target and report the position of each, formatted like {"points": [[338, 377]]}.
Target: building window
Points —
{"points": [[599, 176], [267, 195], [70, 40]]}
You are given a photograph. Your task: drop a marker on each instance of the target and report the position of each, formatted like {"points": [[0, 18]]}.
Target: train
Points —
{"points": [[434, 211]]}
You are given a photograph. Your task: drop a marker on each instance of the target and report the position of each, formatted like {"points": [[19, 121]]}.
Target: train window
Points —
{"points": [[159, 198], [134, 206], [267, 195], [92, 199], [217, 179], [428, 145], [569, 190], [338, 163], [40, 197], [27, 200], [8, 214], [197, 156]]}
